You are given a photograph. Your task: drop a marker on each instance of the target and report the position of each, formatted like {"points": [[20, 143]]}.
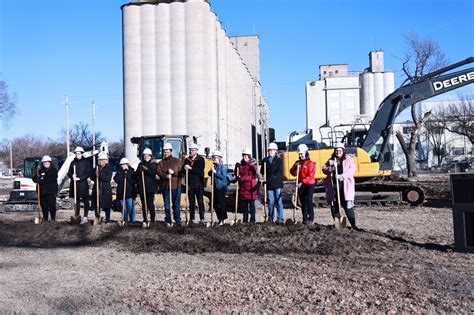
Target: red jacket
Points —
{"points": [[248, 182], [306, 175]]}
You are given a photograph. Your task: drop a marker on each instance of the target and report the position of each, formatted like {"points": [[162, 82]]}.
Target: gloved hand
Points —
{"points": [[188, 167], [169, 176], [75, 178], [253, 161], [143, 168], [340, 178], [331, 168], [300, 184], [214, 169], [170, 171]]}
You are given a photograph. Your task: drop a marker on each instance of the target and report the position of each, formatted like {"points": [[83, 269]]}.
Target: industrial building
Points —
{"points": [[183, 75], [346, 97]]}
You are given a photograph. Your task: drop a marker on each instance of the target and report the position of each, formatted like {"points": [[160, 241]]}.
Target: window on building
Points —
{"points": [[245, 44], [324, 72], [337, 71], [457, 151], [330, 73]]}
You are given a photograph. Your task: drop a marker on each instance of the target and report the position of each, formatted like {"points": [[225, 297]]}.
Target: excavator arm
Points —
{"points": [[422, 88]]}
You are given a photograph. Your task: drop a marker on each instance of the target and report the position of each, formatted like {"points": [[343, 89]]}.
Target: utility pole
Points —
{"points": [[66, 106], [93, 132], [11, 159]]}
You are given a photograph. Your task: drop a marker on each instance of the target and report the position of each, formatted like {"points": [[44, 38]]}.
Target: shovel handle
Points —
{"points": [[144, 193], [171, 197], [212, 198]]}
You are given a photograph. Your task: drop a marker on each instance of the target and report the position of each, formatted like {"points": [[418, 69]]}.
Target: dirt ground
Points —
{"points": [[403, 260]]}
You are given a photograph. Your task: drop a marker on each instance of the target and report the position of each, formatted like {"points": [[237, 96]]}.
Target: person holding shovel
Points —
{"points": [[339, 170], [306, 182], [79, 182], [146, 184], [220, 185], [102, 190], [272, 170], [126, 190], [47, 179], [248, 190], [169, 170], [194, 165]]}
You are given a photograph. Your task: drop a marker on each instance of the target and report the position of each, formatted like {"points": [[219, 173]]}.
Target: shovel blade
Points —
{"points": [[343, 222], [75, 219], [38, 220], [337, 223]]}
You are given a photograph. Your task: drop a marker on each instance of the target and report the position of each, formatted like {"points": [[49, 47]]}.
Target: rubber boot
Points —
{"points": [[351, 217], [335, 212]]}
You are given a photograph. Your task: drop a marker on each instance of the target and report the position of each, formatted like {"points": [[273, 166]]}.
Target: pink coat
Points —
{"points": [[349, 169]]}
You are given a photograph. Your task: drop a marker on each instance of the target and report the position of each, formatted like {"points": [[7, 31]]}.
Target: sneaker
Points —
{"points": [[84, 221], [221, 223], [53, 221], [202, 222]]}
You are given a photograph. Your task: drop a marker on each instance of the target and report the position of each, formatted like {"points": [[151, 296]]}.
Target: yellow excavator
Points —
{"points": [[370, 147]]}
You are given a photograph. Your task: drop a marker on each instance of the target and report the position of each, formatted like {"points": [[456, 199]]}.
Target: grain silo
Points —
{"points": [[184, 76]]}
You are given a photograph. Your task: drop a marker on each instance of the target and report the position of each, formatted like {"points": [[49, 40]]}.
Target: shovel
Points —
{"points": [[296, 197], [186, 222], [232, 222], [122, 222], [75, 219], [212, 201], [171, 207], [145, 224], [265, 215], [339, 223], [97, 219], [39, 218]]}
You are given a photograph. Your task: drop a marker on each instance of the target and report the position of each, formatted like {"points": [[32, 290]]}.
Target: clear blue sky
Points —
{"points": [[51, 48]]}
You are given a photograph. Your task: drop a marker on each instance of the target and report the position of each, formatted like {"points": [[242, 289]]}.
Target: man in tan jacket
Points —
{"points": [[169, 170]]}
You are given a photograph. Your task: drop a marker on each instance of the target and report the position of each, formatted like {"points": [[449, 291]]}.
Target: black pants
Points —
{"points": [[248, 206], [48, 205], [84, 200], [305, 194], [150, 202], [219, 203], [196, 192]]}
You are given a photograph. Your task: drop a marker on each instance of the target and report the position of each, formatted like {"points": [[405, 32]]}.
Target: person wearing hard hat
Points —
{"points": [[47, 179], [169, 170], [101, 176], [220, 185], [273, 166], [248, 190], [306, 182], [339, 170], [194, 164], [125, 175], [79, 179], [147, 170]]}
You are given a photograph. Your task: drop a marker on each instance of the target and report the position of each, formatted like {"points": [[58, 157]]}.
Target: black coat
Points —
{"points": [[83, 172], [274, 172], [48, 180], [119, 178], [149, 171], [105, 189], [196, 174]]}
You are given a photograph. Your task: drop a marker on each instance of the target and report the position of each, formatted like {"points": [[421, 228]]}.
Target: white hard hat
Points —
{"points": [[103, 156], [167, 146], [46, 158], [193, 146], [272, 146], [302, 148], [217, 153], [124, 161], [79, 149], [339, 145], [247, 151], [147, 151]]}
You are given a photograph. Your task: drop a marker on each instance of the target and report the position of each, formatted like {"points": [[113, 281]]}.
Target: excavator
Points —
{"points": [[370, 147]]}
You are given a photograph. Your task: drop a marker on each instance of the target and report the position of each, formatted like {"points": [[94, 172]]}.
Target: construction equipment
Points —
{"points": [[370, 148]]}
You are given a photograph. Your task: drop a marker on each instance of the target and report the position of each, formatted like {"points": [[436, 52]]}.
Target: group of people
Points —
{"points": [[339, 181]]}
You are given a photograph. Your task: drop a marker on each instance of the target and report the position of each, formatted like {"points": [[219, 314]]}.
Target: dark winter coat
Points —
{"points": [[274, 176], [83, 172], [162, 170], [149, 172], [105, 189], [196, 174], [119, 178], [48, 180], [248, 183]]}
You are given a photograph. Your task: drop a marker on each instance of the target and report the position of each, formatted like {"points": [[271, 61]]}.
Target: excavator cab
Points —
{"points": [[155, 144]]}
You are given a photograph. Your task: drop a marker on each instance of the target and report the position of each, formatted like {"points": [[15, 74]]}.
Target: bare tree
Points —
{"points": [[117, 149], [435, 134], [22, 147], [7, 104], [81, 136], [422, 57], [458, 117]]}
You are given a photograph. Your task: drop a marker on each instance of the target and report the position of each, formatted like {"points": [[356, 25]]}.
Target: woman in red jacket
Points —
{"points": [[305, 182], [248, 192]]}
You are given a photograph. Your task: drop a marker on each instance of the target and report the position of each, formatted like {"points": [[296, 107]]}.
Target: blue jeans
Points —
{"points": [[274, 195], [176, 201], [129, 210]]}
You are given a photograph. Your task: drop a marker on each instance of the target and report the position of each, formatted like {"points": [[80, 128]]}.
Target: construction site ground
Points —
{"points": [[402, 260]]}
